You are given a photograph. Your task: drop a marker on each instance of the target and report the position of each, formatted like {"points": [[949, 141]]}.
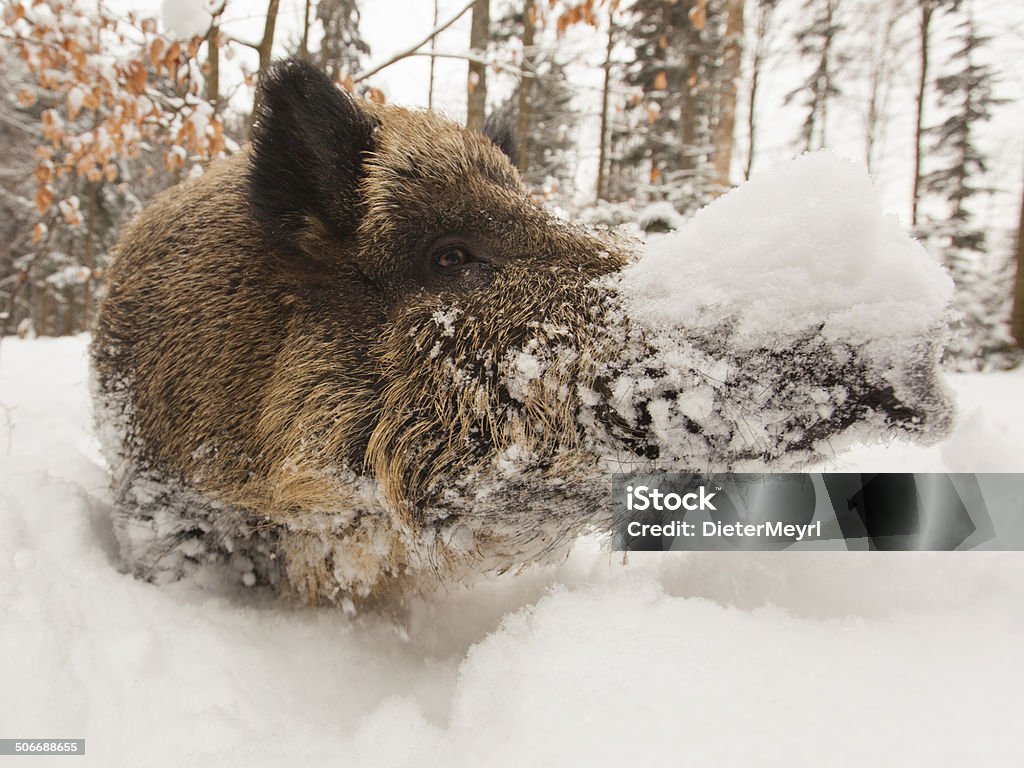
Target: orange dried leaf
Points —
{"points": [[172, 56], [84, 165], [44, 199], [699, 14], [156, 52], [69, 211], [136, 78], [43, 173], [173, 160]]}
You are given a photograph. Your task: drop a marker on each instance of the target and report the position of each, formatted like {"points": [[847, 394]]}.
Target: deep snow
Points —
{"points": [[704, 658], [767, 659]]}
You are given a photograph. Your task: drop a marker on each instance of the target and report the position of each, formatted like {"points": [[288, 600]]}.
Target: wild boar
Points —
{"points": [[357, 360]]}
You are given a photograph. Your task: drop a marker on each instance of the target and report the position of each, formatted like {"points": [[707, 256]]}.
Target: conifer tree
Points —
{"points": [[677, 54], [540, 109], [816, 41], [343, 48], [966, 91], [926, 16]]}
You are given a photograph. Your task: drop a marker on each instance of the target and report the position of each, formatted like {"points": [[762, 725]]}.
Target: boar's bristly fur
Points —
{"points": [[309, 144], [356, 361], [306, 361]]}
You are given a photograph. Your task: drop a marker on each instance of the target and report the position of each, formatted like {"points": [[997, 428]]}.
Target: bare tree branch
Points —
{"points": [[477, 59], [18, 200], [14, 122], [240, 41], [412, 49]]}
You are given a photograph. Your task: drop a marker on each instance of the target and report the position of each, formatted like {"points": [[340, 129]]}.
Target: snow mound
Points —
{"points": [[659, 217], [800, 246], [785, 321]]}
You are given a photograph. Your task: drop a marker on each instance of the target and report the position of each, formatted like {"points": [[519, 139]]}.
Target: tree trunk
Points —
{"points": [[476, 88], [265, 50], [880, 81], [690, 90], [922, 83], [764, 12], [726, 127], [1017, 320], [267, 43], [45, 324], [430, 89], [304, 43], [603, 147], [525, 89], [90, 257], [213, 65]]}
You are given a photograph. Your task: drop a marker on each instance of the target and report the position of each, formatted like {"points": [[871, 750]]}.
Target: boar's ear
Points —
{"points": [[500, 127], [308, 144]]}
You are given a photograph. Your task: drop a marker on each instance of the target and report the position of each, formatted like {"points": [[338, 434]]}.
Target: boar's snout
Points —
{"points": [[696, 396]]}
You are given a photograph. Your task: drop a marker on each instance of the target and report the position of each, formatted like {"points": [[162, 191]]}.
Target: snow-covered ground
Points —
{"points": [[690, 659]]}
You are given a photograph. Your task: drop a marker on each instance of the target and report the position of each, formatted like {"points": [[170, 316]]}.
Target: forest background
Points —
{"points": [[627, 112]]}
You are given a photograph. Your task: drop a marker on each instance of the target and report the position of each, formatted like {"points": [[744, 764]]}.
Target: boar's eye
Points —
{"points": [[452, 256], [455, 256]]}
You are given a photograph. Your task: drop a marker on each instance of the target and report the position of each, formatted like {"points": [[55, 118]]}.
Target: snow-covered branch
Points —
{"points": [[476, 59]]}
